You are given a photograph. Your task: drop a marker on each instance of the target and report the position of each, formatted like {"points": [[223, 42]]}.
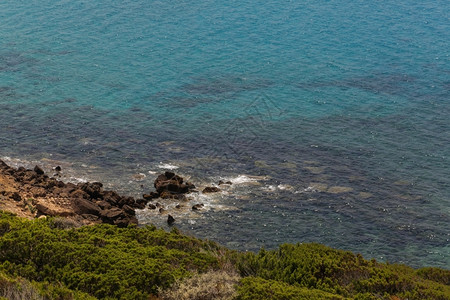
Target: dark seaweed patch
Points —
{"points": [[189, 101], [170, 100], [446, 86], [11, 61], [395, 84], [6, 91], [60, 102], [222, 85]]}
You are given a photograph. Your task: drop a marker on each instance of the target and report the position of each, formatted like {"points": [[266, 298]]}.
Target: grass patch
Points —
{"points": [[212, 285]]}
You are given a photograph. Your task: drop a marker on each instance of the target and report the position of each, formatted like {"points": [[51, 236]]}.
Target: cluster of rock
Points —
{"points": [[89, 202], [172, 186], [52, 197]]}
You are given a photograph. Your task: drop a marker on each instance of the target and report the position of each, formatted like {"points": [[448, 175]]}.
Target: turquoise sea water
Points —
{"points": [[331, 118]]}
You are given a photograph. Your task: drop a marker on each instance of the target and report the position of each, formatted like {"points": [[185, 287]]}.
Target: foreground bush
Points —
{"points": [[49, 259], [102, 260], [317, 267], [252, 288]]}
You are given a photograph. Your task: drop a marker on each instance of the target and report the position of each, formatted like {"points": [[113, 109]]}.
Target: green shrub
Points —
{"points": [[256, 288], [4, 227], [435, 274], [102, 260], [338, 272], [50, 259], [308, 265], [60, 292]]}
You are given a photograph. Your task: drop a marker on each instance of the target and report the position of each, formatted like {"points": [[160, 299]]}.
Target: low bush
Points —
{"points": [[102, 260], [317, 267], [257, 288], [435, 274], [51, 259]]}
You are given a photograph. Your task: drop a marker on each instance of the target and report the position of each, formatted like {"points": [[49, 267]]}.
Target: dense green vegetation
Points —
{"points": [[103, 260], [317, 267], [52, 260], [256, 288]]}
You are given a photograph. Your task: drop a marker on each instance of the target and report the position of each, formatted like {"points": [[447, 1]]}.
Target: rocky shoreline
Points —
{"points": [[31, 193]]}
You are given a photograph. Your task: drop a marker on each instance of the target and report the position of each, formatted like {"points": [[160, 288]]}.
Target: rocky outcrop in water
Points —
{"points": [[171, 186], [173, 183]]}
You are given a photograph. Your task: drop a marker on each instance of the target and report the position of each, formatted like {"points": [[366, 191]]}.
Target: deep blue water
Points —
{"points": [[330, 117]]}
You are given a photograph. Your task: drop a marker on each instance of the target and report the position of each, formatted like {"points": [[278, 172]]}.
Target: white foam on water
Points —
{"points": [[306, 190], [16, 162], [269, 188], [68, 174], [208, 200], [167, 166], [285, 187], [75, 180], [245, 179]]}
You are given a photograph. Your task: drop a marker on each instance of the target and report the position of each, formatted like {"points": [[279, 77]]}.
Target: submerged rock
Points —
{"points": [[170, 220], [339, 189], [365, 195], [211, 189], [198, 206], [225, 182]]}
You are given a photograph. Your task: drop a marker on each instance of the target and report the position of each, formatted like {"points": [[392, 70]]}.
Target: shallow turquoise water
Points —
{"points": [[341, 106]]}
